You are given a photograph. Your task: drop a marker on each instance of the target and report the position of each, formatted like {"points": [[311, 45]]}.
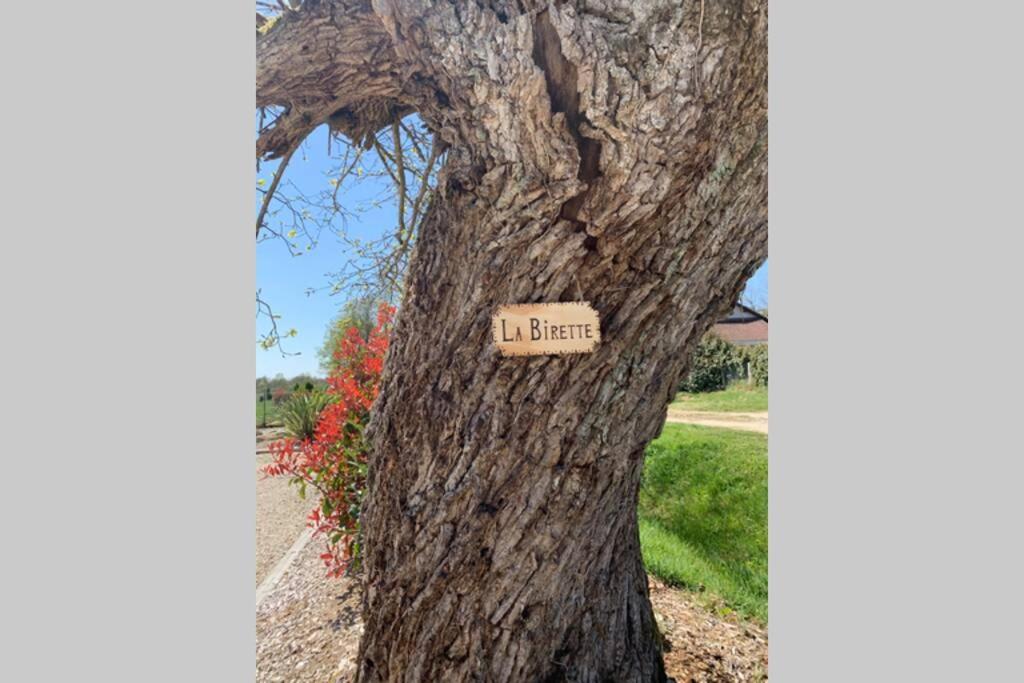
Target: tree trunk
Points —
{"points": [[610, 152]]}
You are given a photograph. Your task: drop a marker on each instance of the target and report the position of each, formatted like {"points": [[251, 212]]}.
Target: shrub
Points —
{"points": [[334, 459], [301, 413], [280, 395], [714, 363], [757, 357]]}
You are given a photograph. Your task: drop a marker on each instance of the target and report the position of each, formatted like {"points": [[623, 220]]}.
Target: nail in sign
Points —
{"points": [[543, 329]]}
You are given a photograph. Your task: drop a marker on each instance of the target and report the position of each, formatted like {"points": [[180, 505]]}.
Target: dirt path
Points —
{"points": [[280, 513], [754, 422]]}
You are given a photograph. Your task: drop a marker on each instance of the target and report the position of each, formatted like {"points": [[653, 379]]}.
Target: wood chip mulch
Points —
{"points": [[308, 630], [706, 648]]}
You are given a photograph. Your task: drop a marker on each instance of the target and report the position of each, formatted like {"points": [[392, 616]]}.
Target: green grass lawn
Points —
{"points": [[704, 515], [738, 398], [273, 417]]}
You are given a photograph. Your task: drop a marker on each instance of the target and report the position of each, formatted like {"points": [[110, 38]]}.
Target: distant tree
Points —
{"points": [[359, 312], [263, 387], [288, 384]]}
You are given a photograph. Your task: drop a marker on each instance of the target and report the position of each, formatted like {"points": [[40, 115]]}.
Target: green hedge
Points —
{"points": [[716, 363], [757, 356], [713, 365]]}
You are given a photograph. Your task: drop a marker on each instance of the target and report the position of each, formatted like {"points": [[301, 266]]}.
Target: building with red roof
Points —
{"points": [[742, 327]]}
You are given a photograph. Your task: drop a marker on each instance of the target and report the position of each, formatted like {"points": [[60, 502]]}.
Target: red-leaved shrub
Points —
{"points": [[334, 461]]}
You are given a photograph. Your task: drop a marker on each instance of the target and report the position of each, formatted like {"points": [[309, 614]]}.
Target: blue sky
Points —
{"points": [[284, 279]]}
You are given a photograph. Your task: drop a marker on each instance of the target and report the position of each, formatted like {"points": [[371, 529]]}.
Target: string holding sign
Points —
{"points": [[543, 329]]}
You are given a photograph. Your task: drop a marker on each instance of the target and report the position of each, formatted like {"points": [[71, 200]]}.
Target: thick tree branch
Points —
{"points": [[328, 62]]}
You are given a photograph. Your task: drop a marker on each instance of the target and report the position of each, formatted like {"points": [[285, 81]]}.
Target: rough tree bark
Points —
{"points": [[607, 150]]}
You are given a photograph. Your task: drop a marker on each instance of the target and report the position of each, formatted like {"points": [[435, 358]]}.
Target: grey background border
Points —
{"points": [[128, 281], [127, 287], [894, 238]]}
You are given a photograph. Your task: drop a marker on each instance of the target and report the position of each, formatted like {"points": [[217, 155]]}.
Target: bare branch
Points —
{"points": [[271, 338], [414, 139], [385, 156], [396, 136], [273, 187], [346, 170], [435, 151]]}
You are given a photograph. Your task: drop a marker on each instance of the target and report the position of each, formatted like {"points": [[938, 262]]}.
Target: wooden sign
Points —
{"points": [[542, 329]]}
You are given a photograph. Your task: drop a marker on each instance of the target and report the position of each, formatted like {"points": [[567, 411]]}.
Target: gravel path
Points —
{"points": [[280, 513], [308, 628], [754, 422]]}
